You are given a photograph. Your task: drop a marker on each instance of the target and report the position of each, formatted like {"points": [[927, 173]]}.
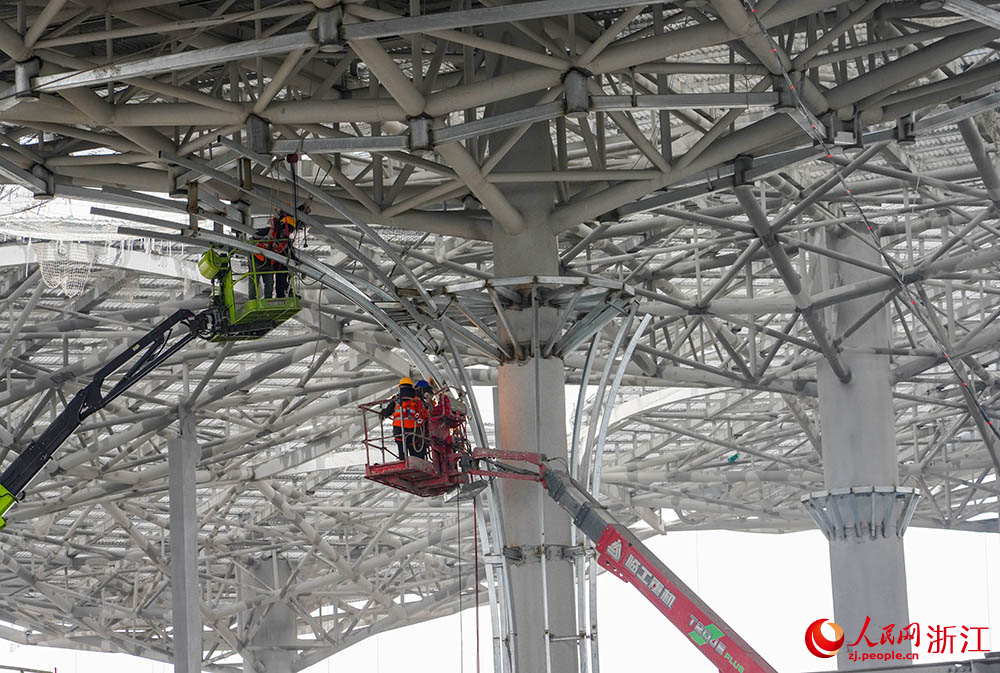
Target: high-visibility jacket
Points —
{"points": [[278, 234], [408, 414]]}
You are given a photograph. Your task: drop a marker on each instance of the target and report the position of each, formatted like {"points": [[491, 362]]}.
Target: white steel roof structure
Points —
{"points": [[702, 157]]}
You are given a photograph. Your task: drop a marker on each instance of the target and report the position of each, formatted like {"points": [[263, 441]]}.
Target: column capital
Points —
{"points": [[862, 512]]}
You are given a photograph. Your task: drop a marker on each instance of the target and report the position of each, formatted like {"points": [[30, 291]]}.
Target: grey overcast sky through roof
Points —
{"points": [[768, 587]]}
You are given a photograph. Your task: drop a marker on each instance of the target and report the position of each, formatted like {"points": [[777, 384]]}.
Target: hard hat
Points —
{"points": [[423, 384], [406, 381]]}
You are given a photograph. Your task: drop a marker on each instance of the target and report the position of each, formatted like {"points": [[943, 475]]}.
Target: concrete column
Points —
{"points": [[859, 452], [271, 642], [526, 509], [532, 414], [183, 454]]}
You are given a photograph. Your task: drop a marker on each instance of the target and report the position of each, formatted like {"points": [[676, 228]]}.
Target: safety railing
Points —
{"points": [[397, 445]]}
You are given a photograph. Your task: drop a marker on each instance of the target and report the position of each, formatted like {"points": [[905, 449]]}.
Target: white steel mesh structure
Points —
{"points": [[697, 174]]}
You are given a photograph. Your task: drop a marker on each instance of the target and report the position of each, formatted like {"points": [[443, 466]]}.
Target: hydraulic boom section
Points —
{"points": [[621, 552], [151, 349]]}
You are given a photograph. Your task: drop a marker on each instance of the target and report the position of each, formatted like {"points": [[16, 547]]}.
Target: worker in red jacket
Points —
{"points": [[278, 239]]}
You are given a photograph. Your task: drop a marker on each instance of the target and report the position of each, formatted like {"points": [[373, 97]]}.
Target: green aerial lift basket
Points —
{"points": [[256, 317], [275, 311], [7, 501]]}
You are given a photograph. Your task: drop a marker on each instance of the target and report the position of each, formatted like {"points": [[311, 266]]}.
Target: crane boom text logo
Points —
{"points": [[646, 576], [818, 644], [712, 636]]}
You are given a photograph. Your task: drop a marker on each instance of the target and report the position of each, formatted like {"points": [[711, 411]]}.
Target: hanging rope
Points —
{"points": [[475, 548], [461, 635], [293, 160]]}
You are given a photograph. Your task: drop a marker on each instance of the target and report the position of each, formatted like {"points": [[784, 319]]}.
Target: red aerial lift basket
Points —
{"points": [[442, 432]]}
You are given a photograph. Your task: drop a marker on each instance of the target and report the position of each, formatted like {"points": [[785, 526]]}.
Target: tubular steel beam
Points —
{"points": [[336, 145], [485, 16], [682, 101], [791, 279], [975, 11], [156, 65], [183, 457]]}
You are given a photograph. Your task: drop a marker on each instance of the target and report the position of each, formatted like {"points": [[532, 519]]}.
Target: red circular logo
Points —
{"points": [[818, 644]]}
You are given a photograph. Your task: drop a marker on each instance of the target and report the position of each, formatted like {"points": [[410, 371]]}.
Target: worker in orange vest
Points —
{"points": [[409, 419]]}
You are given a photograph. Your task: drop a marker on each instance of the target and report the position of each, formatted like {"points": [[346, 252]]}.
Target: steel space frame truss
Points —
{"points": [[694, 290]]}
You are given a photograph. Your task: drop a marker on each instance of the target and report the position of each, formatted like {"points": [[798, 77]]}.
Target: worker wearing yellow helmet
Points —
{"points": [[409, 419]]}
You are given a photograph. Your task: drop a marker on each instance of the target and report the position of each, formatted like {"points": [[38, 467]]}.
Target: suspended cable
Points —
{"points": [[475, 548], [458, 537]]}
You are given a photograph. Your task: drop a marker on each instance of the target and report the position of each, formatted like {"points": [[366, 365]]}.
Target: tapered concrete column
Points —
{"points": [[527, 510], [183, 454], [271, 637], [866, 513]]}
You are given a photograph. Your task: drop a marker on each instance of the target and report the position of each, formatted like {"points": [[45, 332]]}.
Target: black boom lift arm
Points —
{"points": [[152, 349]]}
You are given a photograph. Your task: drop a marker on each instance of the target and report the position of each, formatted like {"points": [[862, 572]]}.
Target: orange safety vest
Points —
{"points": [[277, 238], [408, 413]]}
